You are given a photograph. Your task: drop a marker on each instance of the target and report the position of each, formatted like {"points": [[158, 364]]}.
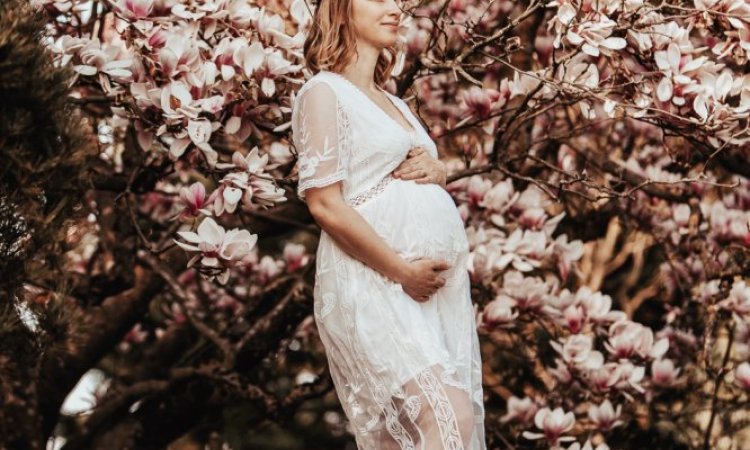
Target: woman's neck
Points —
{"points": [[361, 71]]}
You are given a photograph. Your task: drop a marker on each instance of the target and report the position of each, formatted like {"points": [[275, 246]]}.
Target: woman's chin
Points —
{"points": [[388, 42]]}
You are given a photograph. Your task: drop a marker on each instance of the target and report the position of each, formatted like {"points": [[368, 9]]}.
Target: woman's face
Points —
{"points": [[376, 21]]}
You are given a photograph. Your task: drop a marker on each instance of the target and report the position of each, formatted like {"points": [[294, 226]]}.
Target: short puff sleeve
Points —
{"points": [[320, 133]]}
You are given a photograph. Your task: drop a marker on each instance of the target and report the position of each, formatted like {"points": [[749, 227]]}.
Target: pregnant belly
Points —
{"points": [[417, 220]]}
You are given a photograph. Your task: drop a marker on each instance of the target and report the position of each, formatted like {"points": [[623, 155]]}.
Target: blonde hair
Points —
{"points": [[331, 42]]}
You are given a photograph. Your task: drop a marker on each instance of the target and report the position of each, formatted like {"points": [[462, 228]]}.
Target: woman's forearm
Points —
{"points": [[357, 237]]}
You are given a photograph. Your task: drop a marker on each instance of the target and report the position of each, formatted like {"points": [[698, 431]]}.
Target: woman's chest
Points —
{"points": [[377, 137]]}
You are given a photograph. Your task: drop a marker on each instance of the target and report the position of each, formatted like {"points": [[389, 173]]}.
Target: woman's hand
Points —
{"points": [[422, 168], [421, 279]]}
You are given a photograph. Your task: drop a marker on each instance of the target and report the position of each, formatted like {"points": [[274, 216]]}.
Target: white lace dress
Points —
{"points": [[408, 374]]}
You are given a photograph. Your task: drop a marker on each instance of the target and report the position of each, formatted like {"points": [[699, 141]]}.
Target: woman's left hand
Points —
{"points": [[422, 168]]}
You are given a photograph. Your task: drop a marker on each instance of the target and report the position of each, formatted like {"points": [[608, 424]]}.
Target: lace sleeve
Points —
{"points": [[320, 130]]}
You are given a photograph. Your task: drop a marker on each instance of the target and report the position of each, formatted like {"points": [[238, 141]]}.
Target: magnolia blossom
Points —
{"points": [[109, 59], [728, 224], [561, 372], [268, 268], [499, 312], [528, 293], [217, 249], [577, 351], [742, 375], [479, 102], [605, 416], [295, 256], [574, 318], [604, 378], [593, 34], [598, 306], [520, 410], [677, 82], [250, 186], [136, 9], [523, 249], [567, 253], [663, 372], [630, 376], [476, 188], [628, 338], [553, 425], [498, 199], [192, 202]]}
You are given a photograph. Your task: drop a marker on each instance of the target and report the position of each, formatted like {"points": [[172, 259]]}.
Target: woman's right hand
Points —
{"points": [[422, 279]]}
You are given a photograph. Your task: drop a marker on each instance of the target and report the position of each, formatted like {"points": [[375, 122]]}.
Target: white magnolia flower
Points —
{"points": [[217, 248], [553, 425]]}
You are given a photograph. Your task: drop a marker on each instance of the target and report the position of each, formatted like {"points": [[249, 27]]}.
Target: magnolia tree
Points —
{"points": [[597, 151]]}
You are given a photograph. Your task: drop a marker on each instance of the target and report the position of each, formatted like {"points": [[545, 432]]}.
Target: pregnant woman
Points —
{"points": [[391, 297]]}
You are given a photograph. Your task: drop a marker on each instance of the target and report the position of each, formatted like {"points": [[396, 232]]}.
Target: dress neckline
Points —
{"points": [[411, 132]]}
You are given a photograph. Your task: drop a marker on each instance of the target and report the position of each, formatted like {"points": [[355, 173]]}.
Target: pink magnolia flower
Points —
{"points": [[591, 34], [523, 249], [553, 425], [561, 372], [574, 317], [479, 101], [663, 372], [177, 102], [738, 300], [528, 293], [108, 58], [499, 312], [216, 248], [604, 416], [498, 200], [520, 410], [629, 376], [603, 378], [628, 338], [677, 82], [268, 268], [567, 253], [742, 375], [533, 218], [192, 202], [531, 197], [577, 351], [476, 188], [598, 306], [179, 55], [136, 9], [232, 189], [250, 186], [295, 256], [277, 66]]}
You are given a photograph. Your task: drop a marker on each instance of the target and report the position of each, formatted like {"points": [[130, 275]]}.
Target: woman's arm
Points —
{"points": [[353, 234], [419, 279]]}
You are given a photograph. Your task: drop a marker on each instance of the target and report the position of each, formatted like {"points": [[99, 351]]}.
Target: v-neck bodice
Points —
{"points": [[341, 133], [410, 131]]}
